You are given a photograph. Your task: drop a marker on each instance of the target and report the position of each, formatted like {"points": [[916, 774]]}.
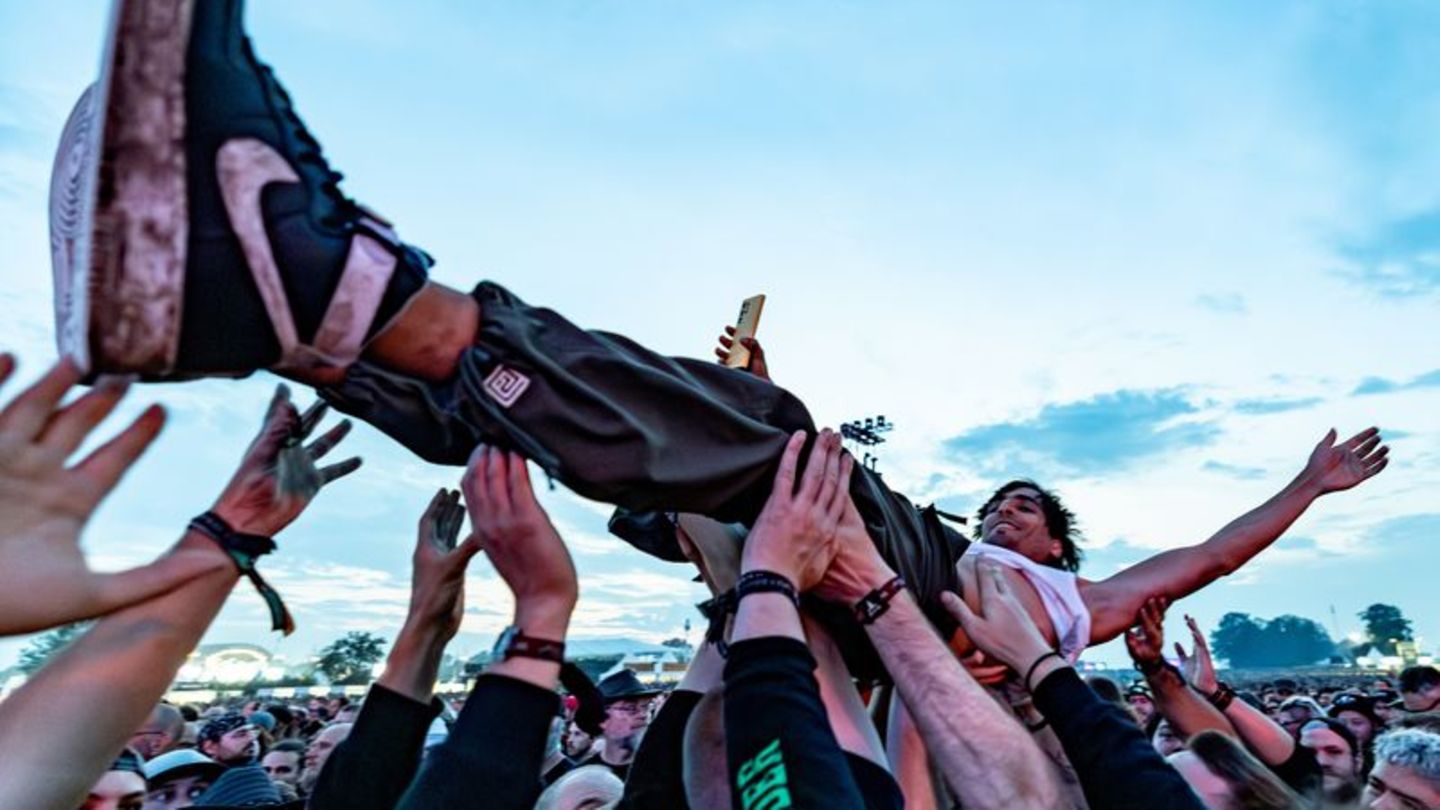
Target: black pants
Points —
{"points": [[619, 423]]}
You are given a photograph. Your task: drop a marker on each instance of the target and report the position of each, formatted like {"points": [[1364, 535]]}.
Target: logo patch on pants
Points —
{"points": [[505, 385]]}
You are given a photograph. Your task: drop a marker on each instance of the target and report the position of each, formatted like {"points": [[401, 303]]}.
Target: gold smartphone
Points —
{"points": [[745, 327]]}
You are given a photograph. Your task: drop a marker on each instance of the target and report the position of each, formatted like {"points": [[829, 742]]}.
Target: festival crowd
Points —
{"points": [[861, 652], [768, 715]]}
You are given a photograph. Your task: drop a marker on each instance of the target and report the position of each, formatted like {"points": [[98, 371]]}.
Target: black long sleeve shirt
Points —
{"points": [[1118, 767], [372, 767], [492, 758], [778, 741]]}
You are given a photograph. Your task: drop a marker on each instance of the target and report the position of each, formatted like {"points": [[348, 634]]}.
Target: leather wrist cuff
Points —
{"points": [[244, 550], [1222, 697], [874, 604]]}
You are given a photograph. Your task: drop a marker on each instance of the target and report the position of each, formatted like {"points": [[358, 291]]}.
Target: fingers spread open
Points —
{"points": [[109, 461], [29, 412], [328, 440], [1363, 448], [68, 428], [311, 418], [1360, 438], [339, 469], [785, 475]]}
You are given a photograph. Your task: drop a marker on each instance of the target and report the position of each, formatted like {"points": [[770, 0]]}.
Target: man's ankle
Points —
{"points": [[428, 336]]}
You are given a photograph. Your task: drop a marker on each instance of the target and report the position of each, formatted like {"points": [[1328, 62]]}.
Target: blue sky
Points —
{"points": [[1147, 254]]}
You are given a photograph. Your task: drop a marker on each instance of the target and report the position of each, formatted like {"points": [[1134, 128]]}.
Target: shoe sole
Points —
{"points": [[118, 204]]}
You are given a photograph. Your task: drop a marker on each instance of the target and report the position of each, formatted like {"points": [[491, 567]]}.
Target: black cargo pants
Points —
{"points": [[621, 424]]}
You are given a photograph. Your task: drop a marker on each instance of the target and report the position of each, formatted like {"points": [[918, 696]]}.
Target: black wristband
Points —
{"points": [[1222, 697], [874, 604], [1148, 668], [1036, 665], [765, 582], [244, 550]]}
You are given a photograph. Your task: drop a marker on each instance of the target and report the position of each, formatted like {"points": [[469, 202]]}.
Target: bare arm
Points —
{"points": [[1265, 737], [909, 761], [63, 727], [1180, 572], [45, 504], [437, 600], [1186, 710], [988, 759]]}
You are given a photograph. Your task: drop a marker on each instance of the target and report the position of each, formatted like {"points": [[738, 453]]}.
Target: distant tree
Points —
{"points": [[348, 659], [42, 648], [1295, 641], [1239, 639], [1385, 625], [676, 643], [1284, 641]]}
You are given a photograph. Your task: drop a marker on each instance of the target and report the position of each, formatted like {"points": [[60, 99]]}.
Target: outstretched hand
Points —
{"points": [[278, 476], [794, 536], [44, 505], [1146, 640], [437, 580], [518, 537], [756, 364], [1333, 467], [1198, 667]]}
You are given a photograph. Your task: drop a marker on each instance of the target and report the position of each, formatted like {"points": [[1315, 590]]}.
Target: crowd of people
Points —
{"points": [[769, 713], [862, 651]]}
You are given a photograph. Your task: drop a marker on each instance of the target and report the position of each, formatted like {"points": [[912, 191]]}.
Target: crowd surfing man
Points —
{"points": [[212, 239]]}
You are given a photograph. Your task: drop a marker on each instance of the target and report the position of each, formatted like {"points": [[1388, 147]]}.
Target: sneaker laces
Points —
{"points": [[309, 150]]}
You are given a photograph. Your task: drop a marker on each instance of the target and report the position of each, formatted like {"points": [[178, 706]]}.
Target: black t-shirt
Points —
{"points": [[622, 771], [559, 769], [1301, 771]]}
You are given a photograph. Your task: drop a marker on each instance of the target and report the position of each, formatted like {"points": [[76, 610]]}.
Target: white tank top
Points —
{"points": [[1059, 593]]}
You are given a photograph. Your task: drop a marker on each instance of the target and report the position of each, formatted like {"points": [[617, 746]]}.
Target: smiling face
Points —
{"points": [[1017, 521]]}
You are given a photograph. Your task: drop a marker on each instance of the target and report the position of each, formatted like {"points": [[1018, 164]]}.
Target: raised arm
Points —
{"points": [[62, 728], [780, 749], [371, 769], [475, 767], [1186, 710], [988, 759], [44, 505], [1180, 572], [1269, 741]]}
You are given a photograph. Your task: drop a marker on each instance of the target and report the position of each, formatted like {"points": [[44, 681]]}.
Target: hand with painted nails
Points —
{"points": [[437, 580], [795, 534], [278, 476], [520, 541], [45, 504], [1333, 467]]}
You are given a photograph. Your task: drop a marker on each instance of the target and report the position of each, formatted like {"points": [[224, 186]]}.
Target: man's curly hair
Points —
{"points": [[1059, 521]]}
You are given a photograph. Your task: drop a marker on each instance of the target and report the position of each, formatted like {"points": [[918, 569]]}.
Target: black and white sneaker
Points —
{"points": [[196, 228]]}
